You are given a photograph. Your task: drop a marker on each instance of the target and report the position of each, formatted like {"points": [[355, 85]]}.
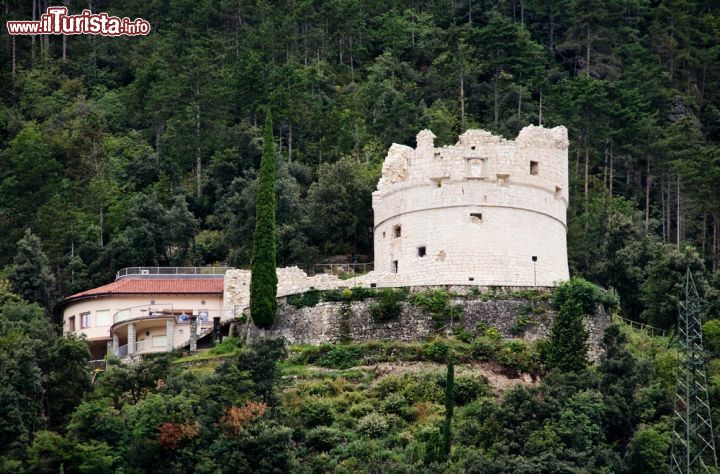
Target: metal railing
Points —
{"points": [[340, 268], [170, 271], [652, 330], [98, 364], [158, 311]]}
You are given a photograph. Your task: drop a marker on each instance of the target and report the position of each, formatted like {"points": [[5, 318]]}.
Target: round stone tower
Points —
{"points": [[485, 211]]}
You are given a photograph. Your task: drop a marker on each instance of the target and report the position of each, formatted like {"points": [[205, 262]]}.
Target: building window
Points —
{"points": [[475, 217], [71, 324], [437, 182], [558, 192], [503, 179], [397, 231], [383, 235], [534, 167], [84, 320], [103, 318], [394, 266], [422, 251]]}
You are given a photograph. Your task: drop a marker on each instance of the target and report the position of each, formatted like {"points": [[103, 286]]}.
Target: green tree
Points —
{"points": [[30, 274], [263, 282], [572, 301]]}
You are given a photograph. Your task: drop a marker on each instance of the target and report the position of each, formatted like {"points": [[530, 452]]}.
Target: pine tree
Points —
{"points": [[263, 283], [30, 273]]}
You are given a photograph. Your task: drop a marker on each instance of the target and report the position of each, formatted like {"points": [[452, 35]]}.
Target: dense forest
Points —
{"points": [[128, 151]]}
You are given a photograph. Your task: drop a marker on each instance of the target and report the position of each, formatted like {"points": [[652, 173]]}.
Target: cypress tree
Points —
{"points": [[449, 407], [263, 282]]}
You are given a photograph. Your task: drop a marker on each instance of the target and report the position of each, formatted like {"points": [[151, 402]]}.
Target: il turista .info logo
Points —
{"points": [[56, 21]]}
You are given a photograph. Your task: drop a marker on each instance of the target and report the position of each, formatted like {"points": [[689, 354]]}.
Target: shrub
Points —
{"points": [[522, 321], [324, 438], [316, 412], [359, 410], [396, 404], [307, 299], [341, 357], [468, 389], [493, 333], [433, 301], [483, 348], [436, 350], [374, 425], [389, 305], [227, 346]]}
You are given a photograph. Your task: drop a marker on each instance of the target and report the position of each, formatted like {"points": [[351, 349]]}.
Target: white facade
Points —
{"points": [[485, 211]]}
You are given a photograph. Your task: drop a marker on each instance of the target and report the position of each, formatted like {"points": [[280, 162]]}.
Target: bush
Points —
{"points": [[316, 412], [388, 306], [484, 348], [341, 357], [436, 351], [396, 404], [305, 300], [227, 346], [374, 425], [468, 389], [324, 438]]}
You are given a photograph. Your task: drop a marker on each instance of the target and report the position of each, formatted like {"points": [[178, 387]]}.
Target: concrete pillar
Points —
{"points": [[131, 339], [115, 344], [193, 333], [170, 334], [109, 349]]}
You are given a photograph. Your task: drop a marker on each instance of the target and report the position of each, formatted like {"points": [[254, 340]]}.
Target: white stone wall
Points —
{"points": [[431, 193]]}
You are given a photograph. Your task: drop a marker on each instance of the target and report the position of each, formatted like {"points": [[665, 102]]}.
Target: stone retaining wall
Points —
{"points": [[336, 321]]}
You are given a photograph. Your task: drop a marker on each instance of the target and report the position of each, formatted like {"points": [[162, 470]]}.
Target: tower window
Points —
{"points": [[558, 192], [534, 167], [71, 324], [422, 251], [397, 231], [475, 217], [394, 266], [383, 235]]}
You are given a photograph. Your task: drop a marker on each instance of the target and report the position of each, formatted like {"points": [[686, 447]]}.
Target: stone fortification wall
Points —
{"points": [[485, 211], [331, 322]]}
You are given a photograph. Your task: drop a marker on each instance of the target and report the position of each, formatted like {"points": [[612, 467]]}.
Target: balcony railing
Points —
{"points": [[158, 311], [339, 269], [171, 271]]}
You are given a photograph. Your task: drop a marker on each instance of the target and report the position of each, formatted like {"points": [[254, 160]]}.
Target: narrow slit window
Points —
{"points": [[534, 168], [397, 231], [422, 251], [383, 235], [475, 217], [394, 266], [71, 324], [558, 192]]}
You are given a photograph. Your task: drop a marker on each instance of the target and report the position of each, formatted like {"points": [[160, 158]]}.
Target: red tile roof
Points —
{"points": [[155, 286]]}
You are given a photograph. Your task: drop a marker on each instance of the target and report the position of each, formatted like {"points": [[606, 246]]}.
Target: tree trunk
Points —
{"points": [[648, 184], [540, 111], [32, 38], [612, 170], [496, 98], [663, 207], [462, 100], [715, 242], [587, 173], [587, 51], [102, 220], [14, 65], [679, 221], [198, 154], [290, 143]]}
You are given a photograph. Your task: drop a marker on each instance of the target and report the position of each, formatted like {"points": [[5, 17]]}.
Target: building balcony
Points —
{"points": [[171, 272]]}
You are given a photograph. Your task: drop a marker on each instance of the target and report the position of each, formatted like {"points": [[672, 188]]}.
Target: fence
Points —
{"points": [[340, 268], [150, 271], [653, 331]]}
